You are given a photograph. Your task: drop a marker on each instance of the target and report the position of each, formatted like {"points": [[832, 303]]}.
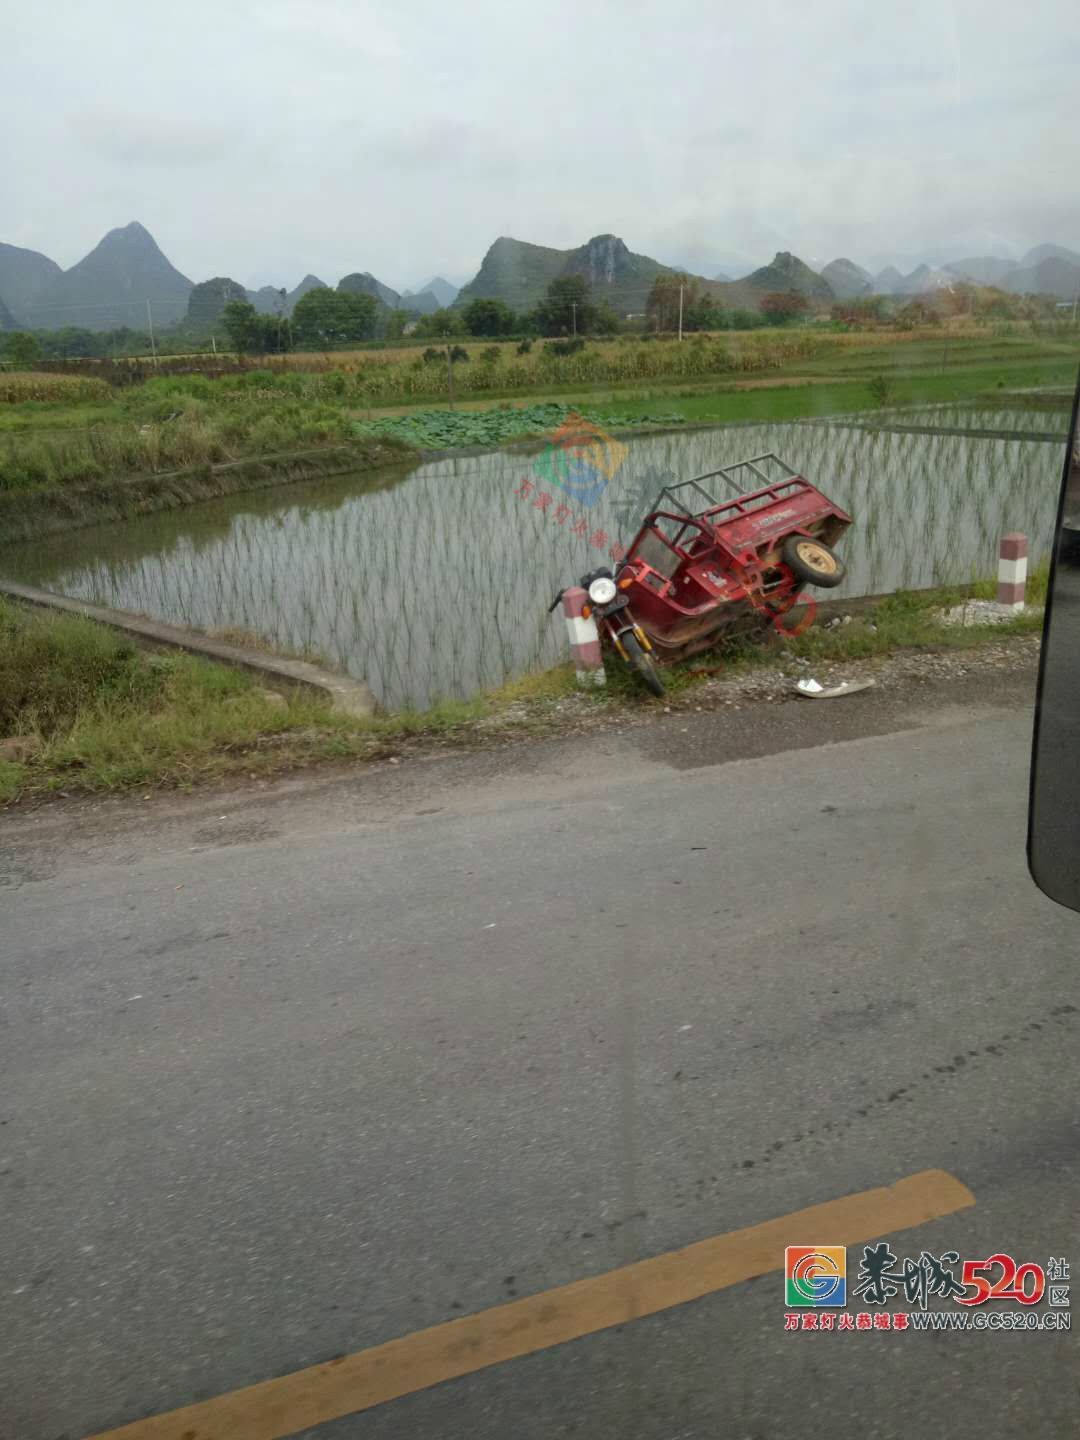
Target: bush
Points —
{"points": [[51, 667], [524, 346], [490, 354], [564, 347], [268, 434], [160, 396], [882, 389]]}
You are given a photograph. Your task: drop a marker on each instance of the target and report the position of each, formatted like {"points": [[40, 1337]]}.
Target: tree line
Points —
{"points": [[326, 319], [334, 319], [331, 319]]}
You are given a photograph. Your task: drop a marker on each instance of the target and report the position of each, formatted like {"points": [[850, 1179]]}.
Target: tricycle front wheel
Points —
{"points": [[642, 662]]}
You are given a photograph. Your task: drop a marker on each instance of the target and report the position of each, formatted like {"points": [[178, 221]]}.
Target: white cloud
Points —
{"points": [[271, 137], [363, 28], [170, 141]]}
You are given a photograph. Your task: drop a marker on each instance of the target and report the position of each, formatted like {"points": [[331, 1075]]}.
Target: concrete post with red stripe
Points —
{"points": [[584, 638], [1012, 570]]}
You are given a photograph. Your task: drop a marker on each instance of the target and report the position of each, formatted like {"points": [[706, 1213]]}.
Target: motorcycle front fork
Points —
{"points": [[635, 628]]}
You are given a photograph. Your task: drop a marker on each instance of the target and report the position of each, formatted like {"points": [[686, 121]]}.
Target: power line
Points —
{"points": [[102, 304]]}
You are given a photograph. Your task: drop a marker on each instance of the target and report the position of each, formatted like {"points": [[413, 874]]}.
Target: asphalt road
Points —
{"points": [[289, 1072]]}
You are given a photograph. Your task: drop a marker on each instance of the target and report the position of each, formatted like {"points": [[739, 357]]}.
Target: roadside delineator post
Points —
{"points": [[584, 638], [1012, 570]]}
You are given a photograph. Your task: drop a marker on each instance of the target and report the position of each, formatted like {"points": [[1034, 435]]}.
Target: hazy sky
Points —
{"points": [[266, 138]]}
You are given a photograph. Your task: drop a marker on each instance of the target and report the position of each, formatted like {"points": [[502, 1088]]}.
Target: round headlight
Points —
{"points": [[602, 590]]}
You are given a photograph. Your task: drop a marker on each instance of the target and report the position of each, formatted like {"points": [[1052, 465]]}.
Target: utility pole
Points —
{"points": [[573, 317], [450, 376], [150, 325], [680, 314], [280, 307]]}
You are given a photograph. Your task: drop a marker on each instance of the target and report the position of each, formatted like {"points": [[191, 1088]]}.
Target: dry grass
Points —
{"points": [[352, 360], [18, 386], [253, 640]]}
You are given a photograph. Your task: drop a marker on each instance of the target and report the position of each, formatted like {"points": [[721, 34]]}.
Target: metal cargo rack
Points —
{"points": [[670, 497]]}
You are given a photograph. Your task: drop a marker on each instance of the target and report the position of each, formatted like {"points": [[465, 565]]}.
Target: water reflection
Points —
{"points": [[436, 581]]}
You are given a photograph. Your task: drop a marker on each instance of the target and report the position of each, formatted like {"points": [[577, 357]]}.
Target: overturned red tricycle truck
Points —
{"points": [[701, 569]]}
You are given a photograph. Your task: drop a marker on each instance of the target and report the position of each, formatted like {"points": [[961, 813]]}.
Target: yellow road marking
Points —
{"points": [[414, 1362]]}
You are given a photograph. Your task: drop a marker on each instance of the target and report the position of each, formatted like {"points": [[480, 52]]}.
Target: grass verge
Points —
{"points": [[83, 711]]}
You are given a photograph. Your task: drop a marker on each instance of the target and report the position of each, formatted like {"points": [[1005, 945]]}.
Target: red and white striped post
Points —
{"points": [[584, 638], [1012, 570]]}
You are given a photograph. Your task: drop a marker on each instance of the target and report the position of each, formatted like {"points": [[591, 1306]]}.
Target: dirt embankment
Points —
{"points": [[25, 515]]}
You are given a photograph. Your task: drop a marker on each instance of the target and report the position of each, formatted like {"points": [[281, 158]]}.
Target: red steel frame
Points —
{"points": [[727, 562]]}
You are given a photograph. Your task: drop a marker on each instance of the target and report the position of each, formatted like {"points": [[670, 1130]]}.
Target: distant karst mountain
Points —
{"points": [[786, 272], [1045, 270], [924, 280], [209, 298], [1048, 252], [24, 275], [982, 269], [515, 271], [309, 282], [1052, 275], [886, 281], [608, 265], [519, 273], [269, 299], [847, 280], [364, 283], [423, 302], [443, 292], [111, 285]]}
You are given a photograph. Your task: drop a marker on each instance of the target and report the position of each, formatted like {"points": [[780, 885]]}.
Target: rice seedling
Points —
{"points": [[389, 582]]}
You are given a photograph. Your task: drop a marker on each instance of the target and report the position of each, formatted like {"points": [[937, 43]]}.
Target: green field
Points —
{"points": [[78, 433], [920, 373]]}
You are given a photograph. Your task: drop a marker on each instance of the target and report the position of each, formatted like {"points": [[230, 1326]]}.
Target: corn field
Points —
{"points": [[18, 386]]}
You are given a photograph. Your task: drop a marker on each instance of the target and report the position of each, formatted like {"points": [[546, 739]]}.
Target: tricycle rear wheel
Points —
{"points": [[641, 661], [813, 562]]}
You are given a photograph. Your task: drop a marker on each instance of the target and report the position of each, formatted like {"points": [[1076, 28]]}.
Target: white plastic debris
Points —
{"points": [[813, 691], [980, 612]]}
